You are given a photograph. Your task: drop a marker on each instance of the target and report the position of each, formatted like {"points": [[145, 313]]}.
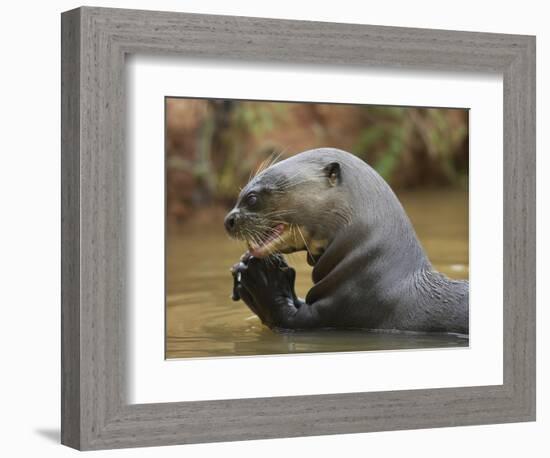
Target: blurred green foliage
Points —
{"points": [[213, 146], [426, 134]]}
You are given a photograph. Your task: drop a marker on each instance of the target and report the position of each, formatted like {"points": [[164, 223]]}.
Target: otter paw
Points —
{"points": [[266, 285], [236, 271], [239, 292], [268, 277]]}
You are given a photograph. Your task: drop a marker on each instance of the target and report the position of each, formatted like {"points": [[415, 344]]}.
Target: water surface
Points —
{"points": [[203, 321]]}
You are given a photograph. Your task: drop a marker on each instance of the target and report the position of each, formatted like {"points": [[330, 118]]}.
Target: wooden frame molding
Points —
{"points": [[95, 412]]}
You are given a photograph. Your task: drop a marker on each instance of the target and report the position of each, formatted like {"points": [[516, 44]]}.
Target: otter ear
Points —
{"points": [[333, 173]]}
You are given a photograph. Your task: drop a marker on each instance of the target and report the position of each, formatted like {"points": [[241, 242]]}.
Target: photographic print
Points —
{"points": [[299, 227]]}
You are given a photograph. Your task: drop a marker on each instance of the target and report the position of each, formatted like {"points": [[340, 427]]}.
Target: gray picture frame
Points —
{"points": [[95, 410]]}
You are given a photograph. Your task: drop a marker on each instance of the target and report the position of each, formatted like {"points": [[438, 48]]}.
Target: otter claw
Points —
{"points": [[246, 256], [235, 295], [236, 284], [238, 268], [236, 271]]}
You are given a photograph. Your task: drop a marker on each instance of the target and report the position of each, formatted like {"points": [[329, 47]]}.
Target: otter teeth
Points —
{"points": [[262, 249]]}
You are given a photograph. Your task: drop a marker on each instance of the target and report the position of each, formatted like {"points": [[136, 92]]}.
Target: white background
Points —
{"points": [[29, 233], [155, 380]]}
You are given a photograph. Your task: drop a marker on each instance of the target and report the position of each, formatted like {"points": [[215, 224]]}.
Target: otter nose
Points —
{"points": [[231, 221]]}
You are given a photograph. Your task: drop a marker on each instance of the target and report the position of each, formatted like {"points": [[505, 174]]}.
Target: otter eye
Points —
{"points": [[251, 199], [333, 173]]}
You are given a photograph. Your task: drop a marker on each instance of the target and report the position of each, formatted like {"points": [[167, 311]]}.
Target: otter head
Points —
{"points": [[293, 205]]}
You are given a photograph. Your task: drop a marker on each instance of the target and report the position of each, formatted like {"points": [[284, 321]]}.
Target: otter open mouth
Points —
{"points": [[268, 245]]}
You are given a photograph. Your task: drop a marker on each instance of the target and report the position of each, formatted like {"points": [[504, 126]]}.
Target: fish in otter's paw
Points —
{"points": [[369, 269]]}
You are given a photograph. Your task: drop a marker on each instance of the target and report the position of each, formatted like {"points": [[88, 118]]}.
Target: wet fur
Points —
{"points": [[370, 270]]}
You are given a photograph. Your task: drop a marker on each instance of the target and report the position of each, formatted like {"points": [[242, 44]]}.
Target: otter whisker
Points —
{"points": [[295, 181], [261, 168], [232, 239], [255, 236], [295, 238], [270, 216], [267, 233], [281, 211], [292, 178], [285, 186], [307, 248], [263, 230], [250, 175], [276, 218], [275, 156], [266, 163]]}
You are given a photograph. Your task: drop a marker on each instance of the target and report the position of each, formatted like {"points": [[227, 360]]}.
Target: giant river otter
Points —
{"points": [[369, 269]]}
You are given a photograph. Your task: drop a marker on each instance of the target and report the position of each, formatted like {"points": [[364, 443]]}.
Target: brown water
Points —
{"points": [[203, 321]]}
